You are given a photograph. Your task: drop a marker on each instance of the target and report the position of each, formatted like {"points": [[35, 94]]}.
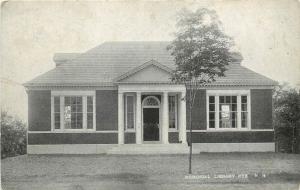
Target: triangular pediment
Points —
{"points": [[151, 71]]}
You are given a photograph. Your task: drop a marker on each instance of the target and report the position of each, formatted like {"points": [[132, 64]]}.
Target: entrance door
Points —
{"points": [[151, 124]]}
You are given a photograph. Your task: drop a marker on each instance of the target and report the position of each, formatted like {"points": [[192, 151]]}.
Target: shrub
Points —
{"points": [[13, 136], [287, 118]]}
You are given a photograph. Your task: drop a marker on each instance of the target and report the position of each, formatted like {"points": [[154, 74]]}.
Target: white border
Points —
{"points": [[238, 93], [231, 130], [145, 149], [134, 125], [108, 131], [73, 93], [176, 113], [159, 119], [84, 95], [233, 147]]}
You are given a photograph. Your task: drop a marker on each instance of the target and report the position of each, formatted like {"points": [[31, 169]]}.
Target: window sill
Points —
{"points": [[173, 130], [129, 131], [232, 130], [75, 131]]}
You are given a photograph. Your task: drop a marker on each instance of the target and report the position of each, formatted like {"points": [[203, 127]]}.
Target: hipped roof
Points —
{"points": [[102, 65]]}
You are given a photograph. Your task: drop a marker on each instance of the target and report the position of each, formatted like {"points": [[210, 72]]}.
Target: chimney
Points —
{"points": [[236, 57], [61, 58]]}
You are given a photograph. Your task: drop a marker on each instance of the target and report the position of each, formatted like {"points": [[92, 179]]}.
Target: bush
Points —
{"points": [[287, 118], [13, 136]]}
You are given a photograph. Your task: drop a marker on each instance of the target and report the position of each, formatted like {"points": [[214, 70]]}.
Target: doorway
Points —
{"points": [[151, 119]]}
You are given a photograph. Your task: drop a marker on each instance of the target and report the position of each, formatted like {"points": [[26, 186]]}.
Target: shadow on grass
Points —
{"points": [[122, 177]]}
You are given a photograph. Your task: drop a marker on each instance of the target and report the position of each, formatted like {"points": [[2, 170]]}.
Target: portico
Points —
{"points": [[160, 96]]}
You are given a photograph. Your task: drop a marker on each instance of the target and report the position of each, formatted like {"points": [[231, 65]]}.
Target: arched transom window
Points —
{"points": [[151, 101]]}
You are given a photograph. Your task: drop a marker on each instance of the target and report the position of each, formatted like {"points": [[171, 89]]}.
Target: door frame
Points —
{"points": [[159, 119]]}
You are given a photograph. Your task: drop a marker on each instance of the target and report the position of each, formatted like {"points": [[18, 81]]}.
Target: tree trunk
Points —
{"points": [[191, 142]]}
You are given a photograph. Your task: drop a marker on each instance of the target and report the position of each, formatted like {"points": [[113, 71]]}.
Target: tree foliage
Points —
{"points": [[287, 113], [13, 136], [287, 106], [200, 49]]}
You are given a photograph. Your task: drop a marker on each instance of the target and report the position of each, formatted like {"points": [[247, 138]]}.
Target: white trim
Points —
{"points": [[52, 114], [120, 118], [94, 113], [151, 106], [142, 67], [112, 86], [165, 118], [182, 118], [239, 112], [228, 92], [134, 113], [62, 113], [72, 93], [217, 118], [176, 113], [70, 149], [138, 119], [249, 111], [151, 88], [84, 112], [89, 131], [233, 147], [236, 87], [159, 119], [145, 149], [82, 94], [232, 130], [238, 94]]}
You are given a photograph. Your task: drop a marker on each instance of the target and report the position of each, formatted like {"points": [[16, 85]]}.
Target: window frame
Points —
{"points": [[134, 112], [176, 113], [53, 112], [238, 94], [62, 95]]}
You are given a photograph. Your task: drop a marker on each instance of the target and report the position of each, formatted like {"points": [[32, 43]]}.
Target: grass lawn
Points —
{"points": [[210, 171]]}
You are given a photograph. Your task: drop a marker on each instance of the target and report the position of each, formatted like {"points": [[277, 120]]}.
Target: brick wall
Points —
{"points": [[39, 110], [107, 110], [233, 137], [72, 138], [199, 111], [129, 138], [261, 109]]}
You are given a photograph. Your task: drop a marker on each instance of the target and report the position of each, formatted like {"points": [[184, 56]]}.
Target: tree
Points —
{"points": [[287, 110], [201, 53], [13, 136]]}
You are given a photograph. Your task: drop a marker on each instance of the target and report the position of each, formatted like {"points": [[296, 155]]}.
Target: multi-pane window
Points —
{"points": [[244, 112], [228, 112], [89, 114], [211, 111], [129, 111], [172, 112], [56, 112], [73, 112]]}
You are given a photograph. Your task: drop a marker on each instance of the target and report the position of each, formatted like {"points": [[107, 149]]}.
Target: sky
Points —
{"points": [[266, 32]]}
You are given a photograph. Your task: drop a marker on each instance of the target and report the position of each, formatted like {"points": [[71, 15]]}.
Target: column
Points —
{"points": [[120, 118], [182, 116], [138, 121], [165, 119]]}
